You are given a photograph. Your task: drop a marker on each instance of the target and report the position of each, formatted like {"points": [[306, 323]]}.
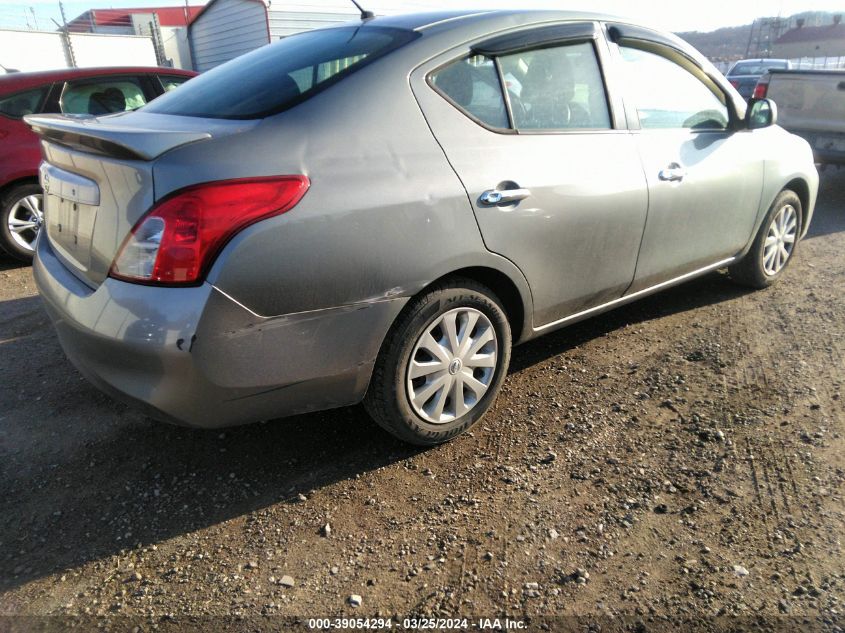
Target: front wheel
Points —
{"points": [[775, 244], [22, 216], [442, 364]]}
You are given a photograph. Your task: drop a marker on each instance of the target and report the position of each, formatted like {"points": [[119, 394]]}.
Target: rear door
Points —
{"points": [[554, 177], [704, 174]]}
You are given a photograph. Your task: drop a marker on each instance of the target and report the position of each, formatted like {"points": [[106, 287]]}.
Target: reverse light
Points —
{"points": [[178, 239]]}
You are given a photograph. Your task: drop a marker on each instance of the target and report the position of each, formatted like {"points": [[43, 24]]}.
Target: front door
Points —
{"points": [[555, 180], [704, 178]]}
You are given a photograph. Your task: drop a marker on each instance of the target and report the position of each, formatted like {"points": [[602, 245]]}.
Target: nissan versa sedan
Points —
{"points": [[378, 211]]}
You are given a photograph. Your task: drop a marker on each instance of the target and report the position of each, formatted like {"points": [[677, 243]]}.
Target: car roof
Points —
{"points": [[22, 81], [457, 19]]}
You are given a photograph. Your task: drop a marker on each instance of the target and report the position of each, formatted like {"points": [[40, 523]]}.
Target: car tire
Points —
{"points": [[422, 391], [775, 244], [16, 205]]}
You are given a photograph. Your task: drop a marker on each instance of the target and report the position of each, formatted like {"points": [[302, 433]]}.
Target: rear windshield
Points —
{"points": [[755, 68], [281, 75]]}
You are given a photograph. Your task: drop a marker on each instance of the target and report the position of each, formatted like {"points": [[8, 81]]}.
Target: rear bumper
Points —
{"points": [[196, 357]]}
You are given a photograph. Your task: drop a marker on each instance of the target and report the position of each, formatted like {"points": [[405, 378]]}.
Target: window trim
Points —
{"points": [[602, 62]]}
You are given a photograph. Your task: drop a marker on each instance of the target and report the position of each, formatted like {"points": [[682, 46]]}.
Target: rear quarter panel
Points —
{"points": [[385, 215]]}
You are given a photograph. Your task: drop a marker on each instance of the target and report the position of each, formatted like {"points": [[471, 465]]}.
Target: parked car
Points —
{"points": [[745, 73], [811, 104], [364, 213], [94, 91]]}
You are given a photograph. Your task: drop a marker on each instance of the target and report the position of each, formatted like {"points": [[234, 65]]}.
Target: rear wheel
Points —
{"points": [[22, 215], [442, 364], [775, 244]]}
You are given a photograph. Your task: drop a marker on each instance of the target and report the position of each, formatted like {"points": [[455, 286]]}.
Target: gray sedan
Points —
{"points": [[378, 211]]}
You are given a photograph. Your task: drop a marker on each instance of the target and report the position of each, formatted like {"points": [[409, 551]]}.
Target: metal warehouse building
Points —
{"points": [[225, 29]]}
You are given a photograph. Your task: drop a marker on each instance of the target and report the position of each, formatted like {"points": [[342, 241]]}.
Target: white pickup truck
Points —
{"points": [[811, 104]]}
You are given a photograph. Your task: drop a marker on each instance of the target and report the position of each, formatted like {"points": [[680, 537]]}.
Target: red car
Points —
{"points": [[84, 91]]}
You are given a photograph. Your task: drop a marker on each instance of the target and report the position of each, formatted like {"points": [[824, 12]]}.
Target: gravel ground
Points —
{"points": [[679, 458]]}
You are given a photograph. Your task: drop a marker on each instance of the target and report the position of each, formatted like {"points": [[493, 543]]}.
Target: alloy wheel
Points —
{"points": [[452, 365], [25, 219], [780, 240]]}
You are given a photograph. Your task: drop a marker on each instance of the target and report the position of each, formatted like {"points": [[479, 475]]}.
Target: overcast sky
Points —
{"points": [[682, 15]]}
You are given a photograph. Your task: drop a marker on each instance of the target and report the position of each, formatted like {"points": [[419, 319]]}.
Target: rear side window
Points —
{"points": [[22, 103], [473, 85], [280, 75], [102, 96]]}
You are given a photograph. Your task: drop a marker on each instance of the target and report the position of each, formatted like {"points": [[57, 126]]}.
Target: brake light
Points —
{"points": [[178, 239], [761, 89]]}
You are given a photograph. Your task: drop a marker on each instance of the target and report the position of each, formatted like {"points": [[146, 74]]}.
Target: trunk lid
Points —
{"points": [[98, 178]]}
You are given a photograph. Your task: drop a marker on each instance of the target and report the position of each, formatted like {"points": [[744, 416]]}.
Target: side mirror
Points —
{"points": [[761, 113]]}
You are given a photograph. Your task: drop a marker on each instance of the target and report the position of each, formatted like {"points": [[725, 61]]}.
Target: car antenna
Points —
{"points": [[365, 15]]}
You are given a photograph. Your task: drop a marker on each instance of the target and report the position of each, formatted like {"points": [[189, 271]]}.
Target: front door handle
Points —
{"points": [[672, 173], [493, 197]]}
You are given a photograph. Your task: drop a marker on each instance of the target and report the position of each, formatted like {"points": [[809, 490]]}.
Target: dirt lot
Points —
{"points": [[681, 457]]}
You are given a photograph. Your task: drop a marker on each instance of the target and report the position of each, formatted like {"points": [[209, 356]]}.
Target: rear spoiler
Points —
{"points": [[108, 137]]}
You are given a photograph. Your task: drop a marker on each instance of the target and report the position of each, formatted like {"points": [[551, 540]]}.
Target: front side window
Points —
{"points": [[22, 103], [280, 75], [556, 88], [472, 84], [668, 96], [102, 96]]}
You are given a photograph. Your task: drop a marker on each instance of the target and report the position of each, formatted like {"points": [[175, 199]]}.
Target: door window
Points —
{"points": [[666, 95], [556, 88], [22, 103], [472, 84], [102, 96]]}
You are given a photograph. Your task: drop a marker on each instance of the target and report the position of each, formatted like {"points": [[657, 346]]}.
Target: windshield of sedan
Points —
{"points": [[755, 68], [278, 76]]}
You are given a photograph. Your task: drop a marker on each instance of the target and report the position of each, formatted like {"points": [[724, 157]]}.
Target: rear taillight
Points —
{"points": [[762, 88], [178, 239]]}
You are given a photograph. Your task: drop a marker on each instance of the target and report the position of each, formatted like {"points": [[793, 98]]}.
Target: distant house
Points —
{"points": [[172, 24], [812, 41], [225, 29]]}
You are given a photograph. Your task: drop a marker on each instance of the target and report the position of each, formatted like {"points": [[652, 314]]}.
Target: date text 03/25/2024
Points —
{"points": [[412, 624]]}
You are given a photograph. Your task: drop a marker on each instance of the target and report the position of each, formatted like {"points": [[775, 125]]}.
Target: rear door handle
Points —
{"points": [[672, 173], [493, 197]]}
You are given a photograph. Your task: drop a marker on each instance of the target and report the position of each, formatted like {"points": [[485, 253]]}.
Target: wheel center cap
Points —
{"points": [[455, 366]]}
